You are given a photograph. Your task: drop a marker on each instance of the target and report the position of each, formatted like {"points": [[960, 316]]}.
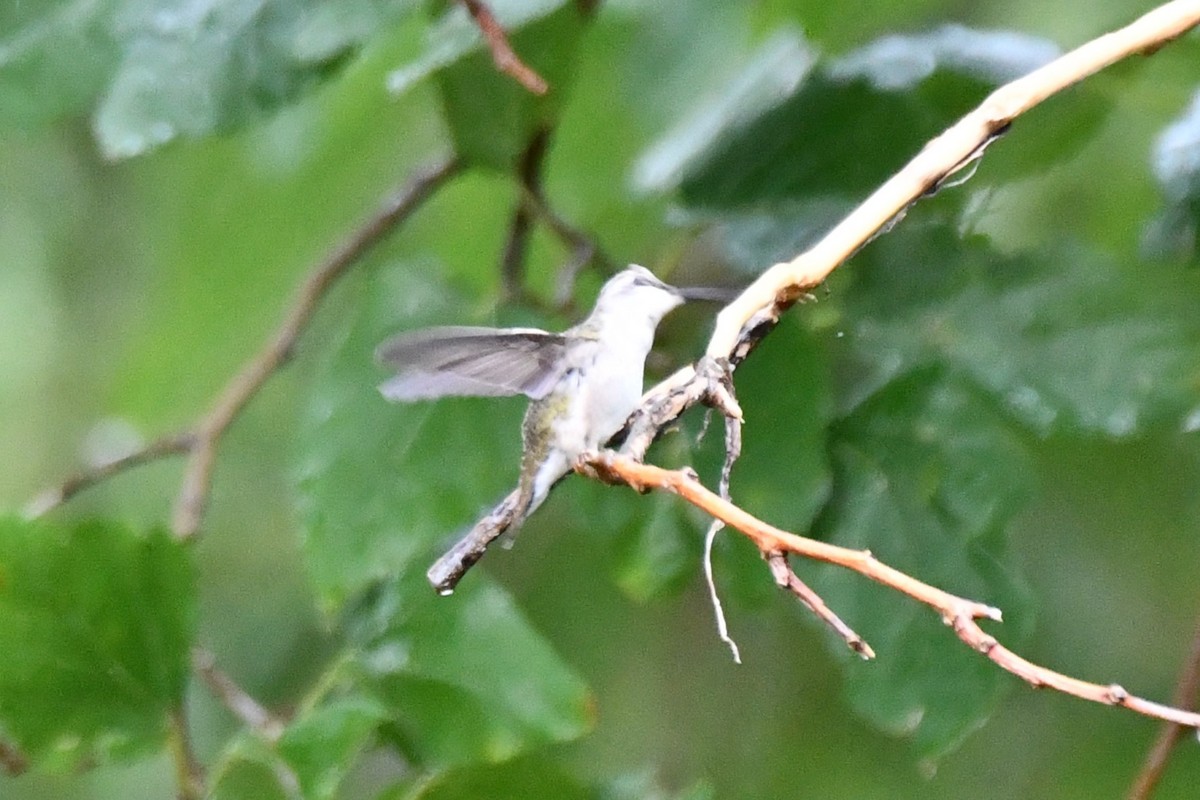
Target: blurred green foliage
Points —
{"points": [[999, 396]]}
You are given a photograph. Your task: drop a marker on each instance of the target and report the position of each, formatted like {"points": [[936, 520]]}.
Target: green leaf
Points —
{"points": [[515, 780], [164, 70], [384, 488], [1063, 339], [1176, 162], [95, 624], [927, 476], [250, 770], [819, 136], [645, 785], [752, 237], [55, 56], [659, 550], [774, 70], [465, 677], [830, 25], [197, 69], [323, 744], [311, 758]]}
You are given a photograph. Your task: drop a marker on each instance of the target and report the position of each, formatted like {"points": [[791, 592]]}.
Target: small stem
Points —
{"points": [[503, 55], [1187, 695], [52, 498], [786, 579], [189, 774], [516, 246], [237, 700]]}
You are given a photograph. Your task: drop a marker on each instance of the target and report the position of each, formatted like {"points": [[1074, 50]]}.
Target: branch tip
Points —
{"points": [[503, 55]]}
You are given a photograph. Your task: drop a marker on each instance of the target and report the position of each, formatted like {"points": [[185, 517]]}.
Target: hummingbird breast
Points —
{"points": [[600, 388]]}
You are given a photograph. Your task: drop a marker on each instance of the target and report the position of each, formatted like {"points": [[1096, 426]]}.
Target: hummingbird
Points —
{"points": [[583, 383]]}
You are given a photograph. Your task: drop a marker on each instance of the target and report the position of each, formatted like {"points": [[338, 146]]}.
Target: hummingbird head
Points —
{"points": [[635, 293]]}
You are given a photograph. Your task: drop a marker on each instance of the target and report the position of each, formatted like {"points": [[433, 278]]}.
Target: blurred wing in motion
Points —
{"points": [[472, 362]]}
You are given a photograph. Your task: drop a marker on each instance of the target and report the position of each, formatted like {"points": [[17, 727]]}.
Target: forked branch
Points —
{"points": [[197, 478], [957, 612], [199, 443]]}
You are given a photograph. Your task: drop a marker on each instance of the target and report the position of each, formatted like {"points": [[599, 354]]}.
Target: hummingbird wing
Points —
{"points": [[473, 362]]}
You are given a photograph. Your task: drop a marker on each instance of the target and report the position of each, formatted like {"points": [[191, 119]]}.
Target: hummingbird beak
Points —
{"points": [[712, 294]]}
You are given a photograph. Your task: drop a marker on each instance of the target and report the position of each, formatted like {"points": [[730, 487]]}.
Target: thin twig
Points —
{"points": [[236, 700], [197, 479], [710, 581], [189, 773], [55, 496], [584, 250], [733, 450], [532, 206], [516, 249], [785, 578], [516, 246], [957, 612], [506, 60], [1187, 696]]}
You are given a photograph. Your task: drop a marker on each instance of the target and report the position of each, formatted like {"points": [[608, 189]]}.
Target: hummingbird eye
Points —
{"points": [[646, 278]]}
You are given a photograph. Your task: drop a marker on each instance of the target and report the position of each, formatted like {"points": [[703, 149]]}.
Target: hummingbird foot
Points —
{"points": [[598, 464], [593, 464]]}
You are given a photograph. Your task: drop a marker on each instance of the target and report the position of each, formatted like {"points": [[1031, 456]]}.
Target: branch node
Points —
{"points": [[236, 700], [1117, 694], [986, 645]]}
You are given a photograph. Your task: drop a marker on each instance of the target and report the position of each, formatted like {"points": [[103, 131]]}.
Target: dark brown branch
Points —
{"points": [[512, 257], [12, 760], [532, 207], [506, 60], [957, 612], [52, 498], [236, 700], [197, 479], [516, 246], [1187, 696], [583, 249]]}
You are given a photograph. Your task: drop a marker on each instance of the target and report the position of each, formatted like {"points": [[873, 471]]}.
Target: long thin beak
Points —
{"points": [[712, 294]]}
